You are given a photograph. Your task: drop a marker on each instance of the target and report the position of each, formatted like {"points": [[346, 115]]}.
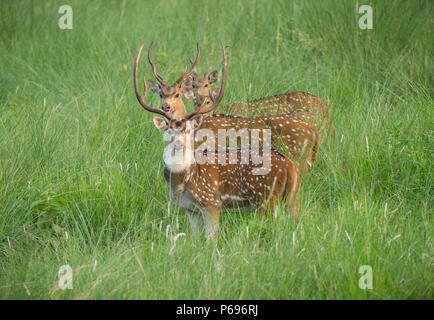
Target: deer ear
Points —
{"points": [[215, 93], [160, 124], [186, 85], [213, 77], [155, 87], [197, 122], [189, 95]]}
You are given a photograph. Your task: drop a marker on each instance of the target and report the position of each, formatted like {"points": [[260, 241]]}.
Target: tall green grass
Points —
{"points": [[81, 170]]}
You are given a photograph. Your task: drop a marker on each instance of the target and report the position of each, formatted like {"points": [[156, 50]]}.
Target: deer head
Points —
{"points": [[171, 95], [202, 87]]}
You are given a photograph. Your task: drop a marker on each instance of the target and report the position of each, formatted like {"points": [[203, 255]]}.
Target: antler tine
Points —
{"points": [[182, 77], [192, 63], [215, 102], [193, 67], [154, 68], [136, 89]]}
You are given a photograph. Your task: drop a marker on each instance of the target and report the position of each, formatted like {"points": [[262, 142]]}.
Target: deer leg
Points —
{"points": [[335, 132], [332, 126], [273, 205], [293, 188], [211, 217], [305, 156], [315, 144], [297, 207], [196, 223], [271, 202]]}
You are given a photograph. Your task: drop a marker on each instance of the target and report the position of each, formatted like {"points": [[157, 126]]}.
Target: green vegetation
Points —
{"points": [[81, 164]]}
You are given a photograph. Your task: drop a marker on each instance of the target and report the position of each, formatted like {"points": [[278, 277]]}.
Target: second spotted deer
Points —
{"points": [[303, 105]]}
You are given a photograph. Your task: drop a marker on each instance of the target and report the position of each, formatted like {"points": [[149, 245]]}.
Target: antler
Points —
{"points": [[136, 88], [192, 63], [154, 68], [193, 67], [215, 102]]}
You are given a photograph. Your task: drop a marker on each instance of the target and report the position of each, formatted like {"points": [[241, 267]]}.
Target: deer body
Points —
{"points": [[205, 189]]}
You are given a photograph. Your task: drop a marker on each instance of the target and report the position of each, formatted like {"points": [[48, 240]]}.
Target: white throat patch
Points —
{"points": [[178, 160]]}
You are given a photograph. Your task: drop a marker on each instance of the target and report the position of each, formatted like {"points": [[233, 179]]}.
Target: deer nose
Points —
{"points": [[165, 107]]}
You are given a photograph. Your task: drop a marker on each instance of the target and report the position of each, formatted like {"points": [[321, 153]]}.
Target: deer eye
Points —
{"points": [[161, 96], [207, 102], [177, 95], [206, 85]]}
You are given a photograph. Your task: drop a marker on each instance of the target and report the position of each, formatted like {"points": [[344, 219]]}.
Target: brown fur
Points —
{"points": [[286, 130]]}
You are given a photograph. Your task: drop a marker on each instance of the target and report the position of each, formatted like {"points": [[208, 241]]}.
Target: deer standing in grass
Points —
{"points": [[205, 189], [297, 137], [303, 105]]}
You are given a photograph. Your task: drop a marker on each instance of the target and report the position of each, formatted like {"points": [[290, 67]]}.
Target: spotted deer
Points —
{"points": [[303, 105], [288, 133], [205, 189]]}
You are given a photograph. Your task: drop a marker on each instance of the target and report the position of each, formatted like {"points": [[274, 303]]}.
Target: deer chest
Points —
{"points": [[178, 192], [182, 198]]}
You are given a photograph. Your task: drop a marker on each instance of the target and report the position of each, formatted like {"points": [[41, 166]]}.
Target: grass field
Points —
{"points": [[81, 164]]}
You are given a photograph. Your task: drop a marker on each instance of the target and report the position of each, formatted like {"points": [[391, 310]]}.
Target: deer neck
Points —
{"points": [[179, 188], [181, 161], [177, 180], [178, 161], [180, 111], [178, 177]]}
